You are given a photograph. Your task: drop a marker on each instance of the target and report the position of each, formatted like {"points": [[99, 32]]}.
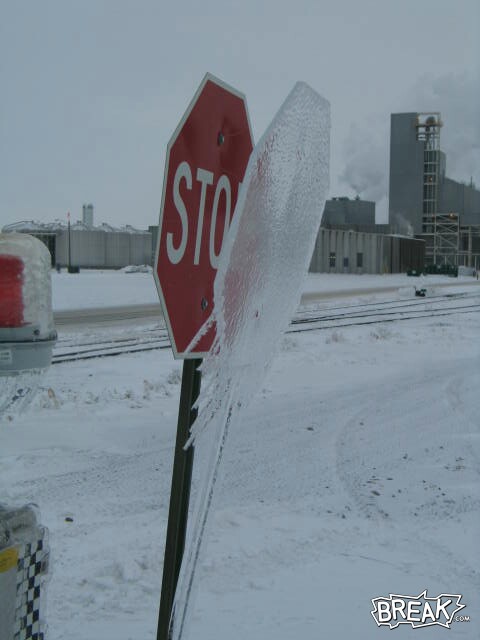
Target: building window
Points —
{"points": [[359, 259], [332, 259], [345, 263]]}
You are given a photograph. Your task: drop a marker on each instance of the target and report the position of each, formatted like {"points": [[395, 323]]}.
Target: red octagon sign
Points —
{"points": [[205, 164]]}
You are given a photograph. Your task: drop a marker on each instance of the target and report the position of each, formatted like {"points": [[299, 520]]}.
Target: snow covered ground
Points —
{"points": [[356, 474], [91, 288]]}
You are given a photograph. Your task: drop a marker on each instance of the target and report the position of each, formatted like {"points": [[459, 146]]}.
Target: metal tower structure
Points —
{"points": [[446, 238], [441, 230]]}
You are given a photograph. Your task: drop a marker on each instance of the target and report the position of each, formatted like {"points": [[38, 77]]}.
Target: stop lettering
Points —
{"points": [[205, 178]]}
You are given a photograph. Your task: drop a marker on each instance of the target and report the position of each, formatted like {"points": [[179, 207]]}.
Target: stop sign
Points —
{"points": [[205, 164]]}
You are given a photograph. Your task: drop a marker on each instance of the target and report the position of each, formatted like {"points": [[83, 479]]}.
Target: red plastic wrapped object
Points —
{"points": [[11, 291]]}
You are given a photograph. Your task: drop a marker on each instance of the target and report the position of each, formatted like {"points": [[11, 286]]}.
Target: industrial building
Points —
{"points": [[423, 201]]}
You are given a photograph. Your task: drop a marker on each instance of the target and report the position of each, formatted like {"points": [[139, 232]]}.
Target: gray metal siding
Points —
{"points": [[99, 249], [140, 248], [455, 197], [117, 250], [380, 253], [88, 248]]}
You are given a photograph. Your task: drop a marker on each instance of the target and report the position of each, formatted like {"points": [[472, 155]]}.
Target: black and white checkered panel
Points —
{"points": [[31, 570]]}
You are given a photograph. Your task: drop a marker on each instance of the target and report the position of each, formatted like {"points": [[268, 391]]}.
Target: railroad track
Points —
{"points": [[305, 320]]}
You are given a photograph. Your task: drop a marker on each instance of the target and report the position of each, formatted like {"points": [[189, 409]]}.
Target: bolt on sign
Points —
{"points": [[205, 164]]}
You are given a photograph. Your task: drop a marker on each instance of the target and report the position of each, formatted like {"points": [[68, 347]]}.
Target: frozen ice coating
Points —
{"points": [[36, 285], [257, 290]]}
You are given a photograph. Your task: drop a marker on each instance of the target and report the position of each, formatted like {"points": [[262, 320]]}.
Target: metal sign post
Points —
{"points": [[180, 494]]}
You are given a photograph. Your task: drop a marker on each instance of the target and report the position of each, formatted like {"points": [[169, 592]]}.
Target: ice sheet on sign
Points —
{"points": [[257, 290]]}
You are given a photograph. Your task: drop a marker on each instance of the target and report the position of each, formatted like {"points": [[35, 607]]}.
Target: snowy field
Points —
{"points": [[93, 288], [356, 474]]}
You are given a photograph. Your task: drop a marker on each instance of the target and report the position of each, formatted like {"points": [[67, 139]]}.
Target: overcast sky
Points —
{"points": [[91, 90]]}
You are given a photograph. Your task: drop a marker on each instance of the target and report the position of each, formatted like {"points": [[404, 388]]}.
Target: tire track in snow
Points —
{"points": [[111, 478]]}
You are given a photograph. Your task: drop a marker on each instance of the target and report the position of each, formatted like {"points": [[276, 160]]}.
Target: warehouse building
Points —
{"points": [[349, 241], [85, 246], [341, 251]]}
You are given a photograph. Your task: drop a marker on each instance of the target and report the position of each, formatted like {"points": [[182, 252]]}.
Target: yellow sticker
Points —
{"points": [[8, 559]]}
